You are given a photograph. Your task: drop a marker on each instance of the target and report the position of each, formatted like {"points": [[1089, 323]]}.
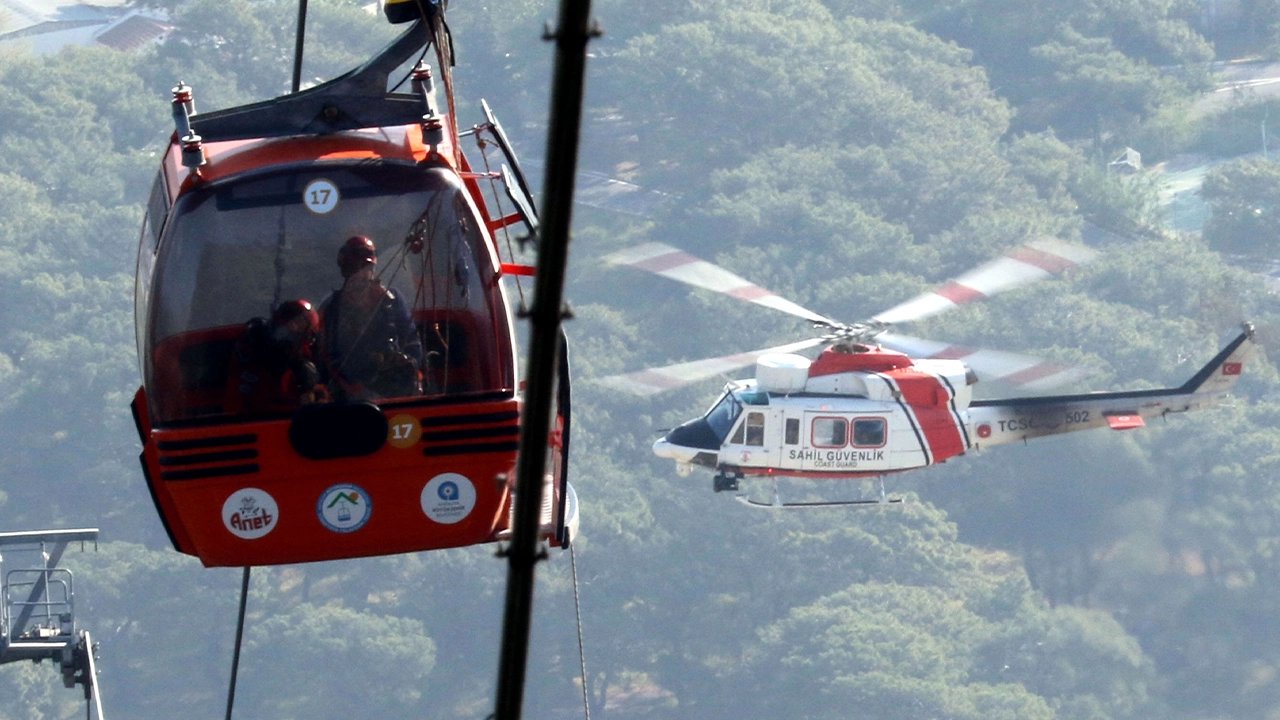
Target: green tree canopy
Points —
{"points": [[1244, 199]]}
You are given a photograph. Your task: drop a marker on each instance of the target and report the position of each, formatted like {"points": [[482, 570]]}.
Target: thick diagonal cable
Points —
{"points": [[545, 316], [235, 656], [300, 34], [577, 611]]}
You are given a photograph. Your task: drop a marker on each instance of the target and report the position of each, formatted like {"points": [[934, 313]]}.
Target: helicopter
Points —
{"points": [[875, 402], [257, 446]]}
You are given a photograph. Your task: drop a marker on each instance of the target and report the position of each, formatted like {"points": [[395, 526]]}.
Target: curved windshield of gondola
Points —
{"points": [[266, 295]]}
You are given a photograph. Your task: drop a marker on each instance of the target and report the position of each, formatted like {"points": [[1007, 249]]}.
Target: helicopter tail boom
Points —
{"points": [[996, 422]]}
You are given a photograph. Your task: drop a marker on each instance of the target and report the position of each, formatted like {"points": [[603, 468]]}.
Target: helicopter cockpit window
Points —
{"points": [[830, 432], [723, 415], [241, 259]]}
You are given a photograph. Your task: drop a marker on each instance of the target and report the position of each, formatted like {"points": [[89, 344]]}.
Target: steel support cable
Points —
{"points": [[577, 611], [545, 316], [299, 37], [235, 656]]}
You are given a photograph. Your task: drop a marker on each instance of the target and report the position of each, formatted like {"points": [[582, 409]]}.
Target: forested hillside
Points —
{"points": [[847, 154]]}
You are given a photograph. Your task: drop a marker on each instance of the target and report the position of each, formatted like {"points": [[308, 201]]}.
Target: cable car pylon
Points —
{"points": [[575, 30], [37, 609]]}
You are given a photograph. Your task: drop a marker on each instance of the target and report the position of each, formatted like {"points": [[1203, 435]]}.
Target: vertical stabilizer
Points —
{"points": [[1221, 373]]}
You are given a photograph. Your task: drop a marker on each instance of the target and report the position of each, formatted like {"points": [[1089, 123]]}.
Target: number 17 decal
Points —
{"points": [[320, 196], [403, 431]]}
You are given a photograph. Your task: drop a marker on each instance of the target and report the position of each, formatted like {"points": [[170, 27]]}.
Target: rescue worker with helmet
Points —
{"points": [[369, 343], [273, 363]]}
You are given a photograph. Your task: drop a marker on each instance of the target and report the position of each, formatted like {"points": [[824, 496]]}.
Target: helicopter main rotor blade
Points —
{"points": [[655, 380], [1034, 261], [675, 264], [990, 365]]}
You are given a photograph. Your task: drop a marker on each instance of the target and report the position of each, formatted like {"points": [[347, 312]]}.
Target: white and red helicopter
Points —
{"points": [[876, 402]]}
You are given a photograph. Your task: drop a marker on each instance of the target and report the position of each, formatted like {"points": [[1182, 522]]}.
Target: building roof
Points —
{"points": [[133, 31], [47, 26]]}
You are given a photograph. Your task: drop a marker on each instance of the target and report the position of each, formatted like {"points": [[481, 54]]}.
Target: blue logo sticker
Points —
{"points": [[448, 498]]}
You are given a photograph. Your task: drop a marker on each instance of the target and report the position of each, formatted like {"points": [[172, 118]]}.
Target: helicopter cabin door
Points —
{"points": [[845, 443], [755, 442]]}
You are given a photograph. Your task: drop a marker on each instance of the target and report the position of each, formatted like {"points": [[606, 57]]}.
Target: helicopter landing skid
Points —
{"points": [[778, 503]]}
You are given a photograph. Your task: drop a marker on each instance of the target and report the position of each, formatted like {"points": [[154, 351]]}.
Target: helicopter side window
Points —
{"points": [[868, 432], [793, 431], [755, 428], [830, 432]]}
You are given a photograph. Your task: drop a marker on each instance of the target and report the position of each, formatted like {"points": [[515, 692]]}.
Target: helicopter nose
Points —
{"points": [[664, 448], [693, 443], [695, 434]]}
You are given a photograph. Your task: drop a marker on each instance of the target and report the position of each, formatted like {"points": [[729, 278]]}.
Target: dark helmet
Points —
{"points": [[291, 309], [355, 253]]}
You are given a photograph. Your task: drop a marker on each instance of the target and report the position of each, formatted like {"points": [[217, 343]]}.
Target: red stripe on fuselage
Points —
{"points": [[930, 400]]}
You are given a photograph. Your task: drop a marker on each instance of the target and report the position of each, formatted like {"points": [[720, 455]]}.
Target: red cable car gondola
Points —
{"points": [[328, 356]]}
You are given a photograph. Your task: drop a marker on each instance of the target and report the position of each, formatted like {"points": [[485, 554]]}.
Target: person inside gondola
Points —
{"points": [[273, 363], [370, 346]]}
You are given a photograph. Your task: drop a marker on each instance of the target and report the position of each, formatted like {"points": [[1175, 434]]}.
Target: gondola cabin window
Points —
{"points": [[241, 256]]}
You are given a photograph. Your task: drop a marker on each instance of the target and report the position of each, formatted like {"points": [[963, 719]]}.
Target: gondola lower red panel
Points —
{"points": [[435, 479]]}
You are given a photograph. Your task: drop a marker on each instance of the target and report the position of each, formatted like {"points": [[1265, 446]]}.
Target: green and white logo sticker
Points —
{"points": [[344, 508]]}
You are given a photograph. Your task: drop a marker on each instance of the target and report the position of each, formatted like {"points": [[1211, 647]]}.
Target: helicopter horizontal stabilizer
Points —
{"points": [[1124, 421]]}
